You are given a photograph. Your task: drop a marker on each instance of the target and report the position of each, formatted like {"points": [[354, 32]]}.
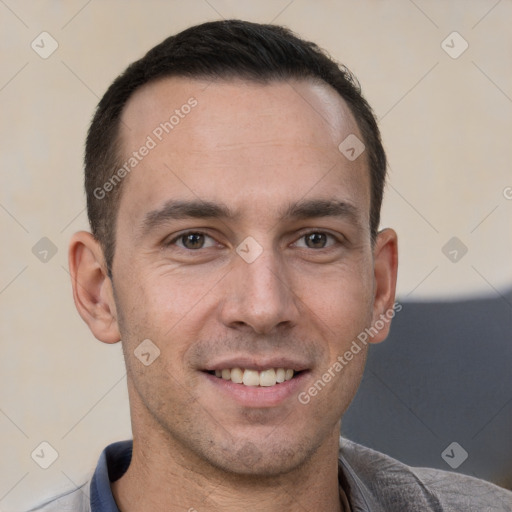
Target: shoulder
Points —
{"points": [[75, 500], [382, 479]]}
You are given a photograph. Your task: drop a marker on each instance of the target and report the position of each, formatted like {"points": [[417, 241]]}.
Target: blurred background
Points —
{"points": [[438, 392]]}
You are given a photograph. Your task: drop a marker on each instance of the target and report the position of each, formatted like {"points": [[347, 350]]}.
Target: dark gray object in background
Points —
{"points": [[443, 375]]}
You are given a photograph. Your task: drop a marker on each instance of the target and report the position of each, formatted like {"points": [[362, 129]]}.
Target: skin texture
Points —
{"points": [[257, 149]]}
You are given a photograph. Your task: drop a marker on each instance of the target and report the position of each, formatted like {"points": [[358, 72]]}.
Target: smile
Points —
{"points": [[264, 378]]}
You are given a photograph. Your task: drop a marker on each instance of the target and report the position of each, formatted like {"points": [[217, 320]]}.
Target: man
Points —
{"points": [[234, 178]]}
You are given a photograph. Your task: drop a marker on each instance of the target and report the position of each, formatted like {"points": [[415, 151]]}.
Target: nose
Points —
{"points": [[259, 295]]}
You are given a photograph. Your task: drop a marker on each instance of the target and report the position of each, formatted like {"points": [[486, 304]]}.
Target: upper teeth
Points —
{"points": [[269, 377]]}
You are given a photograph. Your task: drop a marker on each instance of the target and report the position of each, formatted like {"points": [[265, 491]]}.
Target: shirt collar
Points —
{"points": [[113, 463]]}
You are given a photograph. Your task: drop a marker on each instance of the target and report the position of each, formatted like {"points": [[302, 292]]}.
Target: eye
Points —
{"points": [[192, 240], [317, 240]]}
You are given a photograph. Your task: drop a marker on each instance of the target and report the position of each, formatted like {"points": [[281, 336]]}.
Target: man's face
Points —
{"points": [[257, 290]]}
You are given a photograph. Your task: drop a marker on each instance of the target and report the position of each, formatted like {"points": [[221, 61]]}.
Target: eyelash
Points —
{"points": [[303, 235]]}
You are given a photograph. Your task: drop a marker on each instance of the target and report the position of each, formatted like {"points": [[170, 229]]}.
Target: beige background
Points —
{"points": [[446, 124]]}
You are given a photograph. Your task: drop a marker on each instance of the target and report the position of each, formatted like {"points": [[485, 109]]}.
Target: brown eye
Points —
{"points": [[193, 240], [316, 240]]}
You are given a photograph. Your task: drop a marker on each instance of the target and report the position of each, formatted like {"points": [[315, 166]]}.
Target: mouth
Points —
{"points": [[257, 383], [268, 377]]}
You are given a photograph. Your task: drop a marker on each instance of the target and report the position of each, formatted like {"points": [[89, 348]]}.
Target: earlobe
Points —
{"points": [[92, 288], [385, 275]]}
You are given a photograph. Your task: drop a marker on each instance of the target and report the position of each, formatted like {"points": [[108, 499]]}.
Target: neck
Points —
{"points": [[164, 476]]}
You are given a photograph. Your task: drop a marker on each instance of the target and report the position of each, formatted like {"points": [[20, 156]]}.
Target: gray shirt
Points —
{"points": [[372, 481]]}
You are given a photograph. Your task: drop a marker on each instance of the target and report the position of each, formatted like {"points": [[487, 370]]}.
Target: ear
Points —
{"points": [[92, 287], [385, 260]]}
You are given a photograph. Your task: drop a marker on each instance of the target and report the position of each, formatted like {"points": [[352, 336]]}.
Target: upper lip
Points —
{"points": [[258, 363]]}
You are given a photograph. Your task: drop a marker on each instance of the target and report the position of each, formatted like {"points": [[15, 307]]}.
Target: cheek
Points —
{"points": [[342, 299], [157, 302], [160, 310], [162, 307]]}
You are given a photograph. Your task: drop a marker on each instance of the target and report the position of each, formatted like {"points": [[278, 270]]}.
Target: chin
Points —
{"points": [[264, 458]]}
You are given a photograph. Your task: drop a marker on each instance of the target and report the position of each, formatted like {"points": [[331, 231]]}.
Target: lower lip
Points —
{"points": [[259, 396]]}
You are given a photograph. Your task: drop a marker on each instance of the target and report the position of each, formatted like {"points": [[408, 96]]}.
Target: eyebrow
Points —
{"points": [[198, 209], [175, 210], [313, 208]]}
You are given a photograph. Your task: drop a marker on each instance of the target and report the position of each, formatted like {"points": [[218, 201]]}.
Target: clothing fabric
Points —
{"points": [[373, 482]]}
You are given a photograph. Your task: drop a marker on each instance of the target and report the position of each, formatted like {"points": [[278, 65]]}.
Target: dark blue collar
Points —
{"points": [[113, 463]]}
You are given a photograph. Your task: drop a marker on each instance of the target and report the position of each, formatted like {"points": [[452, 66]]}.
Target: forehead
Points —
{"points": [[248, 144], [241, 108]]}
